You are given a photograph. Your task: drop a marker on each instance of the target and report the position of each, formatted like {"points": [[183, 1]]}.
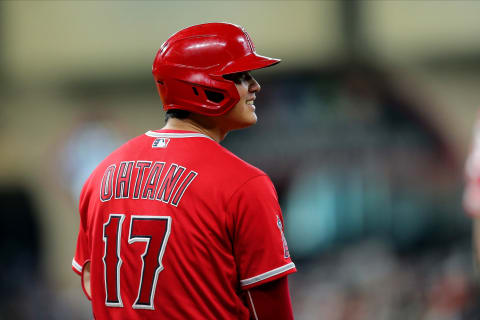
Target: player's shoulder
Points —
{"points": [[240, 164], [238, 177]]}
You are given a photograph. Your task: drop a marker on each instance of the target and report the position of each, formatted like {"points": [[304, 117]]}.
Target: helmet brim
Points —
{"points": [[249, 62]]}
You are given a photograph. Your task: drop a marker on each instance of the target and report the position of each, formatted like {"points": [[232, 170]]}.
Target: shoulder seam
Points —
{"points": [[243, 184], [227, 203]]}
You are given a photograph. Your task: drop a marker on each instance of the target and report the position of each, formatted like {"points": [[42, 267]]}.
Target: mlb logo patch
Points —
{"points": [[160, 143]]}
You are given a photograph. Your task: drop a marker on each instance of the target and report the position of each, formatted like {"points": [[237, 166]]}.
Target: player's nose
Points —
{"points": [[254, 86]]}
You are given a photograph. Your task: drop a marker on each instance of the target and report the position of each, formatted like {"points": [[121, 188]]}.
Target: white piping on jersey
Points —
{"points": [[76, 265], [253, 306], [176, 135], [267, 274]]}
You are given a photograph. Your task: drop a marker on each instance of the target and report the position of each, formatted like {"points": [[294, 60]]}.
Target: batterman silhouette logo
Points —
{"points": [[160, 143]]}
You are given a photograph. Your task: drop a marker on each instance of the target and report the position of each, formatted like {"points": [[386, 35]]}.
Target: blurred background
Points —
{"points": [[364, 128]]}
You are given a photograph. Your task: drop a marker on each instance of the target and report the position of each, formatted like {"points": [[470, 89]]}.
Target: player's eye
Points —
{"points": [[238, 77], [247, 76]]}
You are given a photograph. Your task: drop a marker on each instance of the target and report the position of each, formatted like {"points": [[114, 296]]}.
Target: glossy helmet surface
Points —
{"points": [[189, 67]]}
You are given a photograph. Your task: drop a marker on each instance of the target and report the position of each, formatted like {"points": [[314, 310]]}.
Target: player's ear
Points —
{"points": [[86, 279]]}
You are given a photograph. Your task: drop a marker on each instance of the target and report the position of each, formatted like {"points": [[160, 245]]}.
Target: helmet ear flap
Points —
{"points": [[195, 91], [209, 94], [212, 100], [214, 96]]}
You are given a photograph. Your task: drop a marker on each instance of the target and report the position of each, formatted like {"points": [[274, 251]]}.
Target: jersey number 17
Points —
{"points": [[154, 231]]}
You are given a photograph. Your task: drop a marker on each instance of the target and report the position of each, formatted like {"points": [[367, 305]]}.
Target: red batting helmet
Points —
{"points": [[189, 67]]}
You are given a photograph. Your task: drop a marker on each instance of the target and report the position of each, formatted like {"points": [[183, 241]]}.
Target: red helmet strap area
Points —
{"points": [[213, 98]]}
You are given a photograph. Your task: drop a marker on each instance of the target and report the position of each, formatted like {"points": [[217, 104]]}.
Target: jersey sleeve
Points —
{"points": [[82, 253], [262, 299], [259, 244], [83, 250]]}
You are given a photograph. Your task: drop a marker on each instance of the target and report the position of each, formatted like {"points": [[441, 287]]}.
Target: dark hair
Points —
{"points": [[177, 114]]}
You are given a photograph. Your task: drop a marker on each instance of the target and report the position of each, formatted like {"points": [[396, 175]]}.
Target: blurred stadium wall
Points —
{"points": [[382, 91]]}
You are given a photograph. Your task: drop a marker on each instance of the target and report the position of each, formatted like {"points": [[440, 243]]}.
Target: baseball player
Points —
{"points": [[173, 225]]}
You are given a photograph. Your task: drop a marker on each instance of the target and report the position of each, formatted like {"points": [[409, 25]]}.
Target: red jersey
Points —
{"points": [[176, 227]]}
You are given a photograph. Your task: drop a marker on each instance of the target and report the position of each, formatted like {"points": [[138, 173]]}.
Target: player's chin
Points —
{"points": [[252, 119], [247, 121], [252, 116]]}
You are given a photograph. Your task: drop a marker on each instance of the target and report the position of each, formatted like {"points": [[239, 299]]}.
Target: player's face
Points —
{"points": [[243, 113]]}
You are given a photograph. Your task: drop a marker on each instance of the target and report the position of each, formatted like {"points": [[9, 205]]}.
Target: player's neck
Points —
{"points": [[188, 124]]}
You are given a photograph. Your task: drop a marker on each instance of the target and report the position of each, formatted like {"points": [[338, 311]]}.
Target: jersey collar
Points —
{"points": [[176, 134]]}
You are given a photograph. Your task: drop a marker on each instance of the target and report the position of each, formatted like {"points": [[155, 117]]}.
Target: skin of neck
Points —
{"points": [[208, 126]]}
